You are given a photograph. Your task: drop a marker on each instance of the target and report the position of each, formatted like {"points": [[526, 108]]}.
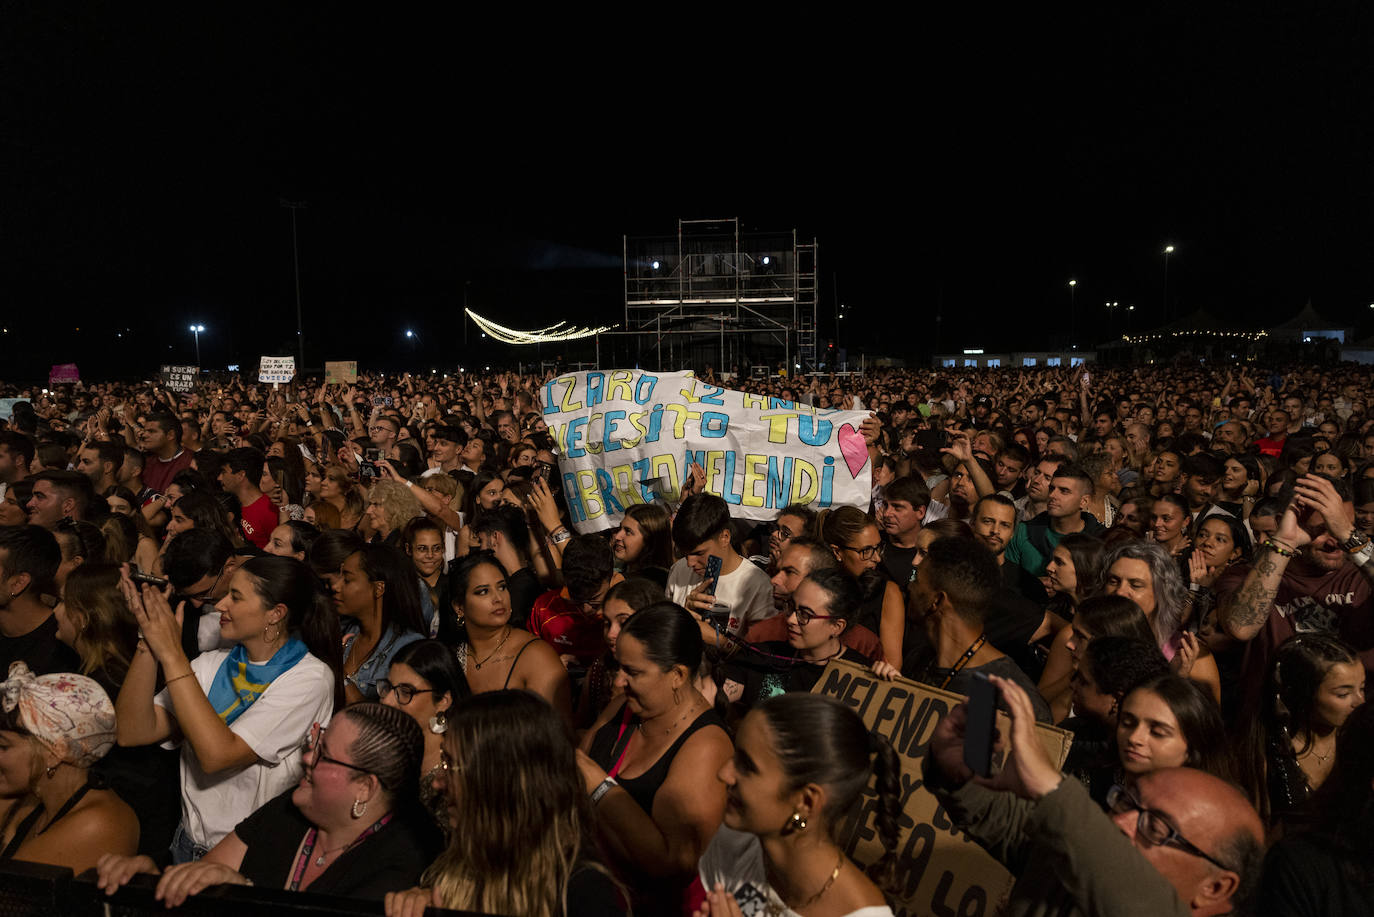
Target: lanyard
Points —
{"points": [[303, 859], [969, 653], [624, 724]]}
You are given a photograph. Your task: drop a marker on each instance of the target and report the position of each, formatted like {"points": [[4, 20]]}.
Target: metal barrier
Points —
{"points": [[33, 890]]}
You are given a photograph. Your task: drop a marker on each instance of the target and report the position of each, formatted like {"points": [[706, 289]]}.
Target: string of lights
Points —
{"points": [[1145, 338], [552, 334]]}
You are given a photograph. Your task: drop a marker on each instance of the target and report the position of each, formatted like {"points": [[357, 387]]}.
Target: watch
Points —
{"points": [[1356, 541]]}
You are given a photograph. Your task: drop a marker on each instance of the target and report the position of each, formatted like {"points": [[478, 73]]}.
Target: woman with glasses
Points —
{"points": [[817, 616], [240, 712], [349, 827], [853, 536], [425, 683]]}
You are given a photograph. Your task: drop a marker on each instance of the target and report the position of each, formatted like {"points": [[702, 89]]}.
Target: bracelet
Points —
{"points": [[1355, 542], [1280, 551], [603, 788], [560, 536], [410, 484], [178, 678]]}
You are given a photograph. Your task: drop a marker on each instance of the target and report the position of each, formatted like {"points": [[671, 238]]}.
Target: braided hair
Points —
{"points": [[390, 746]]}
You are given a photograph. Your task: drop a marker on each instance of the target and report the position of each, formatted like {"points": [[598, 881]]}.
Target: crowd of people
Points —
{"points": [[343, 639]]}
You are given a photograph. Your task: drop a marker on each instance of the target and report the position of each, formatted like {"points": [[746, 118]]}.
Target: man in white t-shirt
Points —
{"points": [[742, 593]]}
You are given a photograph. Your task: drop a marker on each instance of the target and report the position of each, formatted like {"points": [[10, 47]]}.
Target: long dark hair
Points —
{"points": [[436, 664], [1343, 809], [401, 587], [1284, 711], [820, 740], [309, 611], [657, 528], [1199, 721]]}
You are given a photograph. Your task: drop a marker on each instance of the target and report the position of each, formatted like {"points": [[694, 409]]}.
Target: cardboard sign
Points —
{"points": [[939, 870], [338, 371], [62, 373], [179, 378], [276, 369], [619, 432]]}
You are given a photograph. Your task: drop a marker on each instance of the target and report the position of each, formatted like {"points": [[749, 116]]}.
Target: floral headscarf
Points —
{"points": [[69, 714]]}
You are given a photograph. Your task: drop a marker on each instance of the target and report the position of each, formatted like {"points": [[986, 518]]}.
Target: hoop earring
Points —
{"points": [[795, 824], [359, 807], [438, 723]]}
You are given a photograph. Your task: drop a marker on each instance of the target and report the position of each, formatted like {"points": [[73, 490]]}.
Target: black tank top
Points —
{"points": [[606, 750]]}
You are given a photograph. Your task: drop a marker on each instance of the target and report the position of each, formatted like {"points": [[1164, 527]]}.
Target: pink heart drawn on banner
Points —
{"points": [[853, 448]]}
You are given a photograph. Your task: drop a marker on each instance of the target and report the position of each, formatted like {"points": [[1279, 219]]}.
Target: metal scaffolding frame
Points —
{"points": [[714, 291]]}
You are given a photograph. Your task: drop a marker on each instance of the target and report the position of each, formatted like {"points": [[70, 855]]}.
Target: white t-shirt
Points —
{"points": [[274, 726], [746, 592], [735, 859]]}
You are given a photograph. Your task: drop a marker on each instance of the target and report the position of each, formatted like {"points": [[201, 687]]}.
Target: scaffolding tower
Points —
{"points": [[713, 294]]}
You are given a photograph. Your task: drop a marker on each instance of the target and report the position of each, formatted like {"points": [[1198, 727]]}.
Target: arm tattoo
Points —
{"points": [[1250, 606]]}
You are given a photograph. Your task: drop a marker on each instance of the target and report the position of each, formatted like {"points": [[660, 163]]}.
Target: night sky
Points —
{"points": [[967, 167]]}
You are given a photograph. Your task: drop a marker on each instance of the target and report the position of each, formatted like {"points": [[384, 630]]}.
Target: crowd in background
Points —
{"points": [[344, 639]]}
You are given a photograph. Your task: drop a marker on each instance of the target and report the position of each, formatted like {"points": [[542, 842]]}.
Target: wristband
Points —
{"points": [[603, 788], [560, 536], [410, 484]]}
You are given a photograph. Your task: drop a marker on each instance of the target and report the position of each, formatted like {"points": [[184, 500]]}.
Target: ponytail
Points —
{"points": [[887, 780], [310, 613]]}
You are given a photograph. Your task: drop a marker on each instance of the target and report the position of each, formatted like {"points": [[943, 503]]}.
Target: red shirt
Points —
{"points": [[564, 626], [158, 473], [259, 519]]}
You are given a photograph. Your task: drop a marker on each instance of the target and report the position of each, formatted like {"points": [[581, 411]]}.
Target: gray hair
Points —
{"points": [[1169, 589]]}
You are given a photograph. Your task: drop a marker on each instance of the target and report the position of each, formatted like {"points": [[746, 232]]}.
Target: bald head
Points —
{"points": [[1213, 816]]}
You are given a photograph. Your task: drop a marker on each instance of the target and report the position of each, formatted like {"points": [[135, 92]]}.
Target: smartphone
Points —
{"points": [[372, 455], [713, 565], [931, 440], [138, 576], [981, 726], [544, 470]]}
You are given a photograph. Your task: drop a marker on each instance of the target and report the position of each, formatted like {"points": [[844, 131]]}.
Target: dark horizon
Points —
{"points": [[958, 172]]}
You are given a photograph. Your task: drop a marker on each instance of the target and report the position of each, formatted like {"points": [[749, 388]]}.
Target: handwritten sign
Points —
{"points": [[940, 871], [276, 369], [179, 378], [626, 436], [339, 371], [62, 373]]}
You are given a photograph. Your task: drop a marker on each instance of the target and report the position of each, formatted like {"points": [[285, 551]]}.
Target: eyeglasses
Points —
{"points": [[199, 599], [805, 615], [404, 692], [1155, 826], [867, 552], [314, 744], [781, 533]]}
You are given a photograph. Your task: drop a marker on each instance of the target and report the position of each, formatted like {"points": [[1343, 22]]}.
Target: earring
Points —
{"points": [[49, 771], [796, 823], [359, 807], [438, 723]]}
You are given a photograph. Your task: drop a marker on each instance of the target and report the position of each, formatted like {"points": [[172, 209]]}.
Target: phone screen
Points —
{"points": [[982, 724]]}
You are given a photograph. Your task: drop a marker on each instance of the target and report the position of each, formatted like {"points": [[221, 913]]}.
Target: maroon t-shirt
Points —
{"points": [[1337, 602], [158, 473], [259, 519]]}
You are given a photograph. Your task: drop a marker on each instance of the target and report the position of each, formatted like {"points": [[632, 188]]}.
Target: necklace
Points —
{"points": [[1321, 758], [969, 653], [504, 637], [669, 730], [835, 873]]}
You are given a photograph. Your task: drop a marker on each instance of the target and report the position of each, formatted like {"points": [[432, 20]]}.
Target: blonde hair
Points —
{"points": [[108, 632], [522, 816], [397, 502]]}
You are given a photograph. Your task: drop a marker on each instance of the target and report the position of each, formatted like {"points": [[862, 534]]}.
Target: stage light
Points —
{"points": [[654, 265], [409, 333], [766, 259]]}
